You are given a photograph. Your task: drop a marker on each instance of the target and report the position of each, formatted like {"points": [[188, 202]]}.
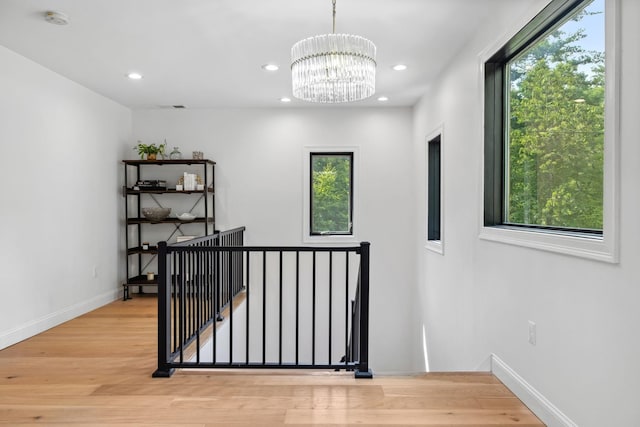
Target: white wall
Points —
{"points": [[259, 155], [60, 206], [477, 298]]}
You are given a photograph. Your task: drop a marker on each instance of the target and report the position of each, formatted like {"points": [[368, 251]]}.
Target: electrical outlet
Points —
{"points": [[532, 332]]}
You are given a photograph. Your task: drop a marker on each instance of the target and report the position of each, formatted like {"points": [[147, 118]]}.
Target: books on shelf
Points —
{"points": [[151, 184]]}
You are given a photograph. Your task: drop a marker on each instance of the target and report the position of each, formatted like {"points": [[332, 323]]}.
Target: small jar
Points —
{"points": [[145, 246], [150, 275], [175, 154]]}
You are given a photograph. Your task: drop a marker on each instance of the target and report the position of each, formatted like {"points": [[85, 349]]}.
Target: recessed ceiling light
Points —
{"points": [[285, 99], [57, 18], [399, 67], [134, 76], [270, 67], [383, 99]]}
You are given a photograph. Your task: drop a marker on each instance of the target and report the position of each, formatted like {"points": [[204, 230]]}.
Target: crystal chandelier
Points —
{"points": [[333, 68]]}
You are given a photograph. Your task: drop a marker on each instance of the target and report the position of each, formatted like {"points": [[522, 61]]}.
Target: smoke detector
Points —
{"points": [[57, 18]]}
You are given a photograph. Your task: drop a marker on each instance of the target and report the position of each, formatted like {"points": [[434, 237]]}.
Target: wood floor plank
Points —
{"points": [[146, 424], [411, 417], [84, 415], [499, 403], [95, 371]]}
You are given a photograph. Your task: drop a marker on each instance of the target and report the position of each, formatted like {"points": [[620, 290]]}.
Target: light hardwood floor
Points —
{"points": [[96, 371]]}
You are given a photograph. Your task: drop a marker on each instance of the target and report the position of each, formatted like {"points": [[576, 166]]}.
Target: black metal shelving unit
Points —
{"points": [[133, 197]]}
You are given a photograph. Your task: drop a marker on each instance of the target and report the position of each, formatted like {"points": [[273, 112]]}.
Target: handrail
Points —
{"points": [[286, 291], [211, 237]]}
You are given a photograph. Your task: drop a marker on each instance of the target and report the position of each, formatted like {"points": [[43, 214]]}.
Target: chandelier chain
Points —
{"points": [[334, 16]]}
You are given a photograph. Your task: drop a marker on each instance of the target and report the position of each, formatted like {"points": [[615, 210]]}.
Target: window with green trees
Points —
{"points": [[544, 135], [331, 193]]}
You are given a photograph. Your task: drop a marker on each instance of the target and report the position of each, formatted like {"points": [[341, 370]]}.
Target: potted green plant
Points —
{"points": [[150, 150]]}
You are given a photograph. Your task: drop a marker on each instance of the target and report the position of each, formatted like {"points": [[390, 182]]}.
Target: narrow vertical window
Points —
{"points": [[331, 201], [433, 189]]}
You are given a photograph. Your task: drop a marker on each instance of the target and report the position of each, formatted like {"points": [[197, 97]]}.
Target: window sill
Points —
{"points": [[435, 246], [593, 247], [331, 239]]}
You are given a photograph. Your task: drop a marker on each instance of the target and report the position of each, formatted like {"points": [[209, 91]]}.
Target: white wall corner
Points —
{"points": [[485, 365], [532, 398], [51, 320]]}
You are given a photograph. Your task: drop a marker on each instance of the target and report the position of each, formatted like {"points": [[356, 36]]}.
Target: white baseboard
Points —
{"points": [[43, 323], [536, 402]]}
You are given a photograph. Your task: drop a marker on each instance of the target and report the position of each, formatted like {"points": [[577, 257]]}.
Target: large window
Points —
{"points": [[545, 123], [331, 201]]}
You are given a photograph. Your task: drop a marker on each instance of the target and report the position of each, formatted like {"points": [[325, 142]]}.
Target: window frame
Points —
{"points": [[329, 238], [341, 154], [435, 245], [601, 246]]}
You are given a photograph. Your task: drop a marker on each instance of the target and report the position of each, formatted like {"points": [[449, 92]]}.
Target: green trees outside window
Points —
{"points": [[331, 193], [555, 126]]}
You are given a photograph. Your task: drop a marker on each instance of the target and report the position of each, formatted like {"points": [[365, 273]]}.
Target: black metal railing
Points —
{"points": [[287, 307], [190, 290], [358, 348], [353, 349]]}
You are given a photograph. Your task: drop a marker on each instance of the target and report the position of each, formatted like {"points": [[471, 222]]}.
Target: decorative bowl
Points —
{"points": [[186, 216], [156, 214]]}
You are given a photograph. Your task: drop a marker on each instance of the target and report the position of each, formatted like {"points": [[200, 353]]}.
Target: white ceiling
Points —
{"points": [[208, 53]]}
